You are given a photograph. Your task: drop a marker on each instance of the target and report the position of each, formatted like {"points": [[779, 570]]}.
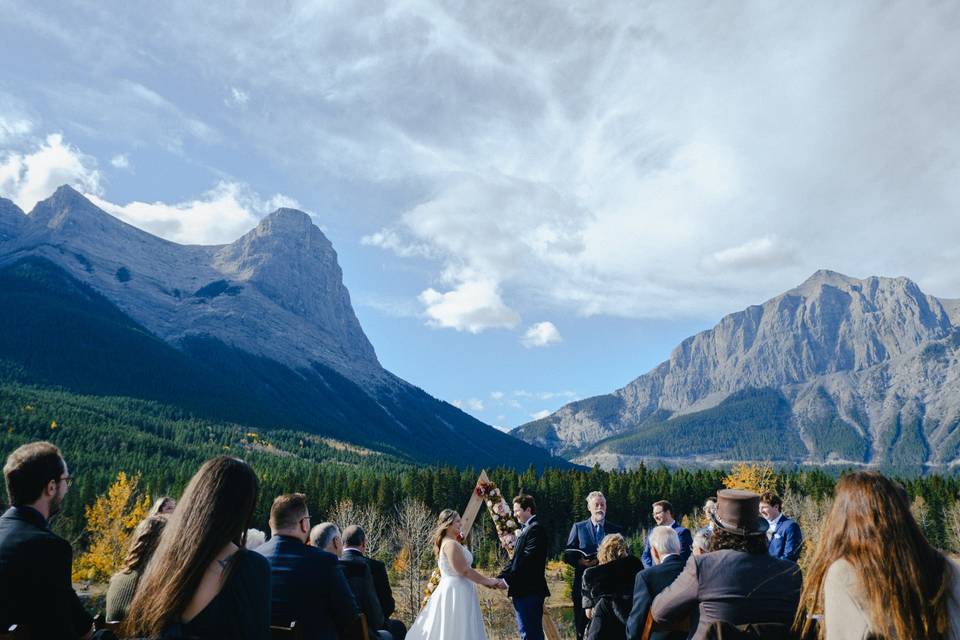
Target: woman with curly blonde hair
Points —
{"points": [[608, 589], [874, 573]]}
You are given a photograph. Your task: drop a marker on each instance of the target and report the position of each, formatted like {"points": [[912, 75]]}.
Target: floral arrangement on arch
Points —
{"points": [[503, 520]]}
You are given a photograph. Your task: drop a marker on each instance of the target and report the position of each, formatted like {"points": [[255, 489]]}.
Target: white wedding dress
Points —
{"points": [[453, 610]]}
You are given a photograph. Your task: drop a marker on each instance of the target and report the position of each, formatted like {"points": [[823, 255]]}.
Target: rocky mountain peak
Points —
{"points": [[12, 220], [68, 214]]}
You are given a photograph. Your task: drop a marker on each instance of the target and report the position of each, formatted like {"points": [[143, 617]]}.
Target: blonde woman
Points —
{"points": [[608, 589], [453, 611]]}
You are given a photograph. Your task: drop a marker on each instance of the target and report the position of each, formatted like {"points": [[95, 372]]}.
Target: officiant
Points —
{"points": [[581, 550]]}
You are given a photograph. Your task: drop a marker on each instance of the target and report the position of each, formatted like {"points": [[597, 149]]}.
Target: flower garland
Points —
{"points": [[503, 520]]}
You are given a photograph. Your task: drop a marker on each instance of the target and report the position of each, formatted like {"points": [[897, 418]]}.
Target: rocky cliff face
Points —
{"points": [[260, 331], [871, 359]]}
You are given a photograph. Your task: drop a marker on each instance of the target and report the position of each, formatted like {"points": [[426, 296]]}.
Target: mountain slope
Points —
{"points": [[259, 332], [867, 368]]}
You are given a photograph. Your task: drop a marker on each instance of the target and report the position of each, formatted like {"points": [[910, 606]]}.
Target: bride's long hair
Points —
{"points": [[446, 518]]}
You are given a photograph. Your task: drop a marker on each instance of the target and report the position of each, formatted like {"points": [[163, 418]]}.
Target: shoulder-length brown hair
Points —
{"points": [[612, 546], [215, 510], [905, 582], [143, 543], [444, 520]]}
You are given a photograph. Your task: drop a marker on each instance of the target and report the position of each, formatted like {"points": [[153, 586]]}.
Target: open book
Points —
{"points": [[573, 556]]}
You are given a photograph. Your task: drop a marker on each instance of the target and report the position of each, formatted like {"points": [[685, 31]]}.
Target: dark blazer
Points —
{"points": [[686, 545], [608, 590], [525, 573], [35, 587], [647, 586], [358, 574], [381, 583], [787, 540], [310, 588], [731, 586]]}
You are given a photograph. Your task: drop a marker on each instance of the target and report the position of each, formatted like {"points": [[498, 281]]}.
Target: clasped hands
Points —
{"points": [[495, 583]]}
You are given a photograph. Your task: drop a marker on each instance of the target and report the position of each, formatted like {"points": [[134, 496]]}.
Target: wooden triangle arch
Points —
{"points": [[469, 516]]}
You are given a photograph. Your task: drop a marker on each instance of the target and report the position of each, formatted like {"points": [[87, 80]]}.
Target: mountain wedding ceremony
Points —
{"points": [[437, 320]]}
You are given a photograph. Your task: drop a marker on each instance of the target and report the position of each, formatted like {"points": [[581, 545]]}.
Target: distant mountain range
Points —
{"points": [[260, 332], [836, 370]]}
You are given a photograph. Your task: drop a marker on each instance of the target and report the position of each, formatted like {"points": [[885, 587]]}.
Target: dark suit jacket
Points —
{"points": [[647, 586], [381, 583], [525, 573], [35, 587], [309, 587], [358, 574], [686, 545], [731, 586], [582, 537], [608, 590], [787, 540]]}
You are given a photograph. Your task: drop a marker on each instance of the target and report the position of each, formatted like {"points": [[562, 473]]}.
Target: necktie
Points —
{"points": [[599, 533]]}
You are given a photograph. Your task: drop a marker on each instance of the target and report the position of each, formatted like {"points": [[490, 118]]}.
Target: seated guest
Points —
{"points": [[663, 516], [874, 574], [709, 509], [308, 585], [201, 582], [163, 506], [326, 536], [608, 589], [355, 548], [35, 589], [737, 582], [701, 541], [123, 583], [784, 536], [665, 548]]}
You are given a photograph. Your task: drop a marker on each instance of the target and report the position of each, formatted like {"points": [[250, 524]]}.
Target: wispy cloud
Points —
{"points": [[30, 176]]}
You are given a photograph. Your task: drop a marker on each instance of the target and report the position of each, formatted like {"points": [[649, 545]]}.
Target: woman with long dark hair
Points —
{"points": [[123, 584], [874, 572], [201, 582]]}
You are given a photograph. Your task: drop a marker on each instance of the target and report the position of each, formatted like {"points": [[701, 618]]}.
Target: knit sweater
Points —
{"points": [[120, 594]]}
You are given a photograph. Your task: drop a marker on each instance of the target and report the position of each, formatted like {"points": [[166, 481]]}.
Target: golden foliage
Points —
{"points": [[110, 521], [401, 561], [751, 477]]}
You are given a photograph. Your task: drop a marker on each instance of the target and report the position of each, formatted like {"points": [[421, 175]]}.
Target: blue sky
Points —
{"points": [[532, 202]]}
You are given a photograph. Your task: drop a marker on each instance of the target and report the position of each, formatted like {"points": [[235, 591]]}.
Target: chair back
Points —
{"points": [[100, 622], [650, 626], [15, 632], [286, 633]]}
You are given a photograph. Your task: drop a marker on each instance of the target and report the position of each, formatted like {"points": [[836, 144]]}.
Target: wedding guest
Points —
{"points": [[608, 589], [737, 582], [667, 565], [701, 541], [163, 506], [35, 589], [355, 548], [585, 537], [874, 574], [663, 516], [308, 585], [709, 509], [326, 536], [202, 582], [123, 584], [784, 536]]}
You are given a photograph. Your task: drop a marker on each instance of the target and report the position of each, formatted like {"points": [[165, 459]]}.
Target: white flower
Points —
{"points": [[511, 523]]}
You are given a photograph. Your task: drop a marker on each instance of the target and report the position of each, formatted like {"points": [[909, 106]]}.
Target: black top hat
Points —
{"points": [[738, 512]]}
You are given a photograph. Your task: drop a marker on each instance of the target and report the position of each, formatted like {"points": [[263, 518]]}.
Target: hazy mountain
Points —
{"points": [[834, 369], [260, 331]]}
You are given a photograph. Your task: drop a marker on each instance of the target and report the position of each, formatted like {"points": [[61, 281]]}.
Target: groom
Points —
{"points": [[524, 576]]}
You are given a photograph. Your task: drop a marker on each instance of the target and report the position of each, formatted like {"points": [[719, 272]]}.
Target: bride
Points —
{"points": [[453, 610]]}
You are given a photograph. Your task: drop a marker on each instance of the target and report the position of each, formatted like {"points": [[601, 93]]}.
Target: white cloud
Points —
{"points": [[221, 215], [760, 253], [13, 127], [497, 395], [472, 306], [237, 98], [540, 414], [541, 334], [470, 404], [28, 177], [121, 161]]}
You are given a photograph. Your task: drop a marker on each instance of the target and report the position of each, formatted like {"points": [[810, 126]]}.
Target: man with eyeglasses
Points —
{"points": [[308, 585], [35, 589]]}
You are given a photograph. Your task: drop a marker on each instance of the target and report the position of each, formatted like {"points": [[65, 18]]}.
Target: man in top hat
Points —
{"points": [[738, 581]]}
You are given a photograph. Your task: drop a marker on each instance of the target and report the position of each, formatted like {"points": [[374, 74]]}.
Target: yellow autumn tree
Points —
{"points": [[110, 521], [751, 477]]}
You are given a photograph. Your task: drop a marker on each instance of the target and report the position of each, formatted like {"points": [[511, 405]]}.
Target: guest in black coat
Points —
{"points": [[35, 589], [524, 577], [665, 548], [585, 537], [354, 547], [308, 586], [608, 589]]}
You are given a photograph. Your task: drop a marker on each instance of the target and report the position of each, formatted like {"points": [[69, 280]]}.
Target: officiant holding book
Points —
{"points": [[581, 551]]}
